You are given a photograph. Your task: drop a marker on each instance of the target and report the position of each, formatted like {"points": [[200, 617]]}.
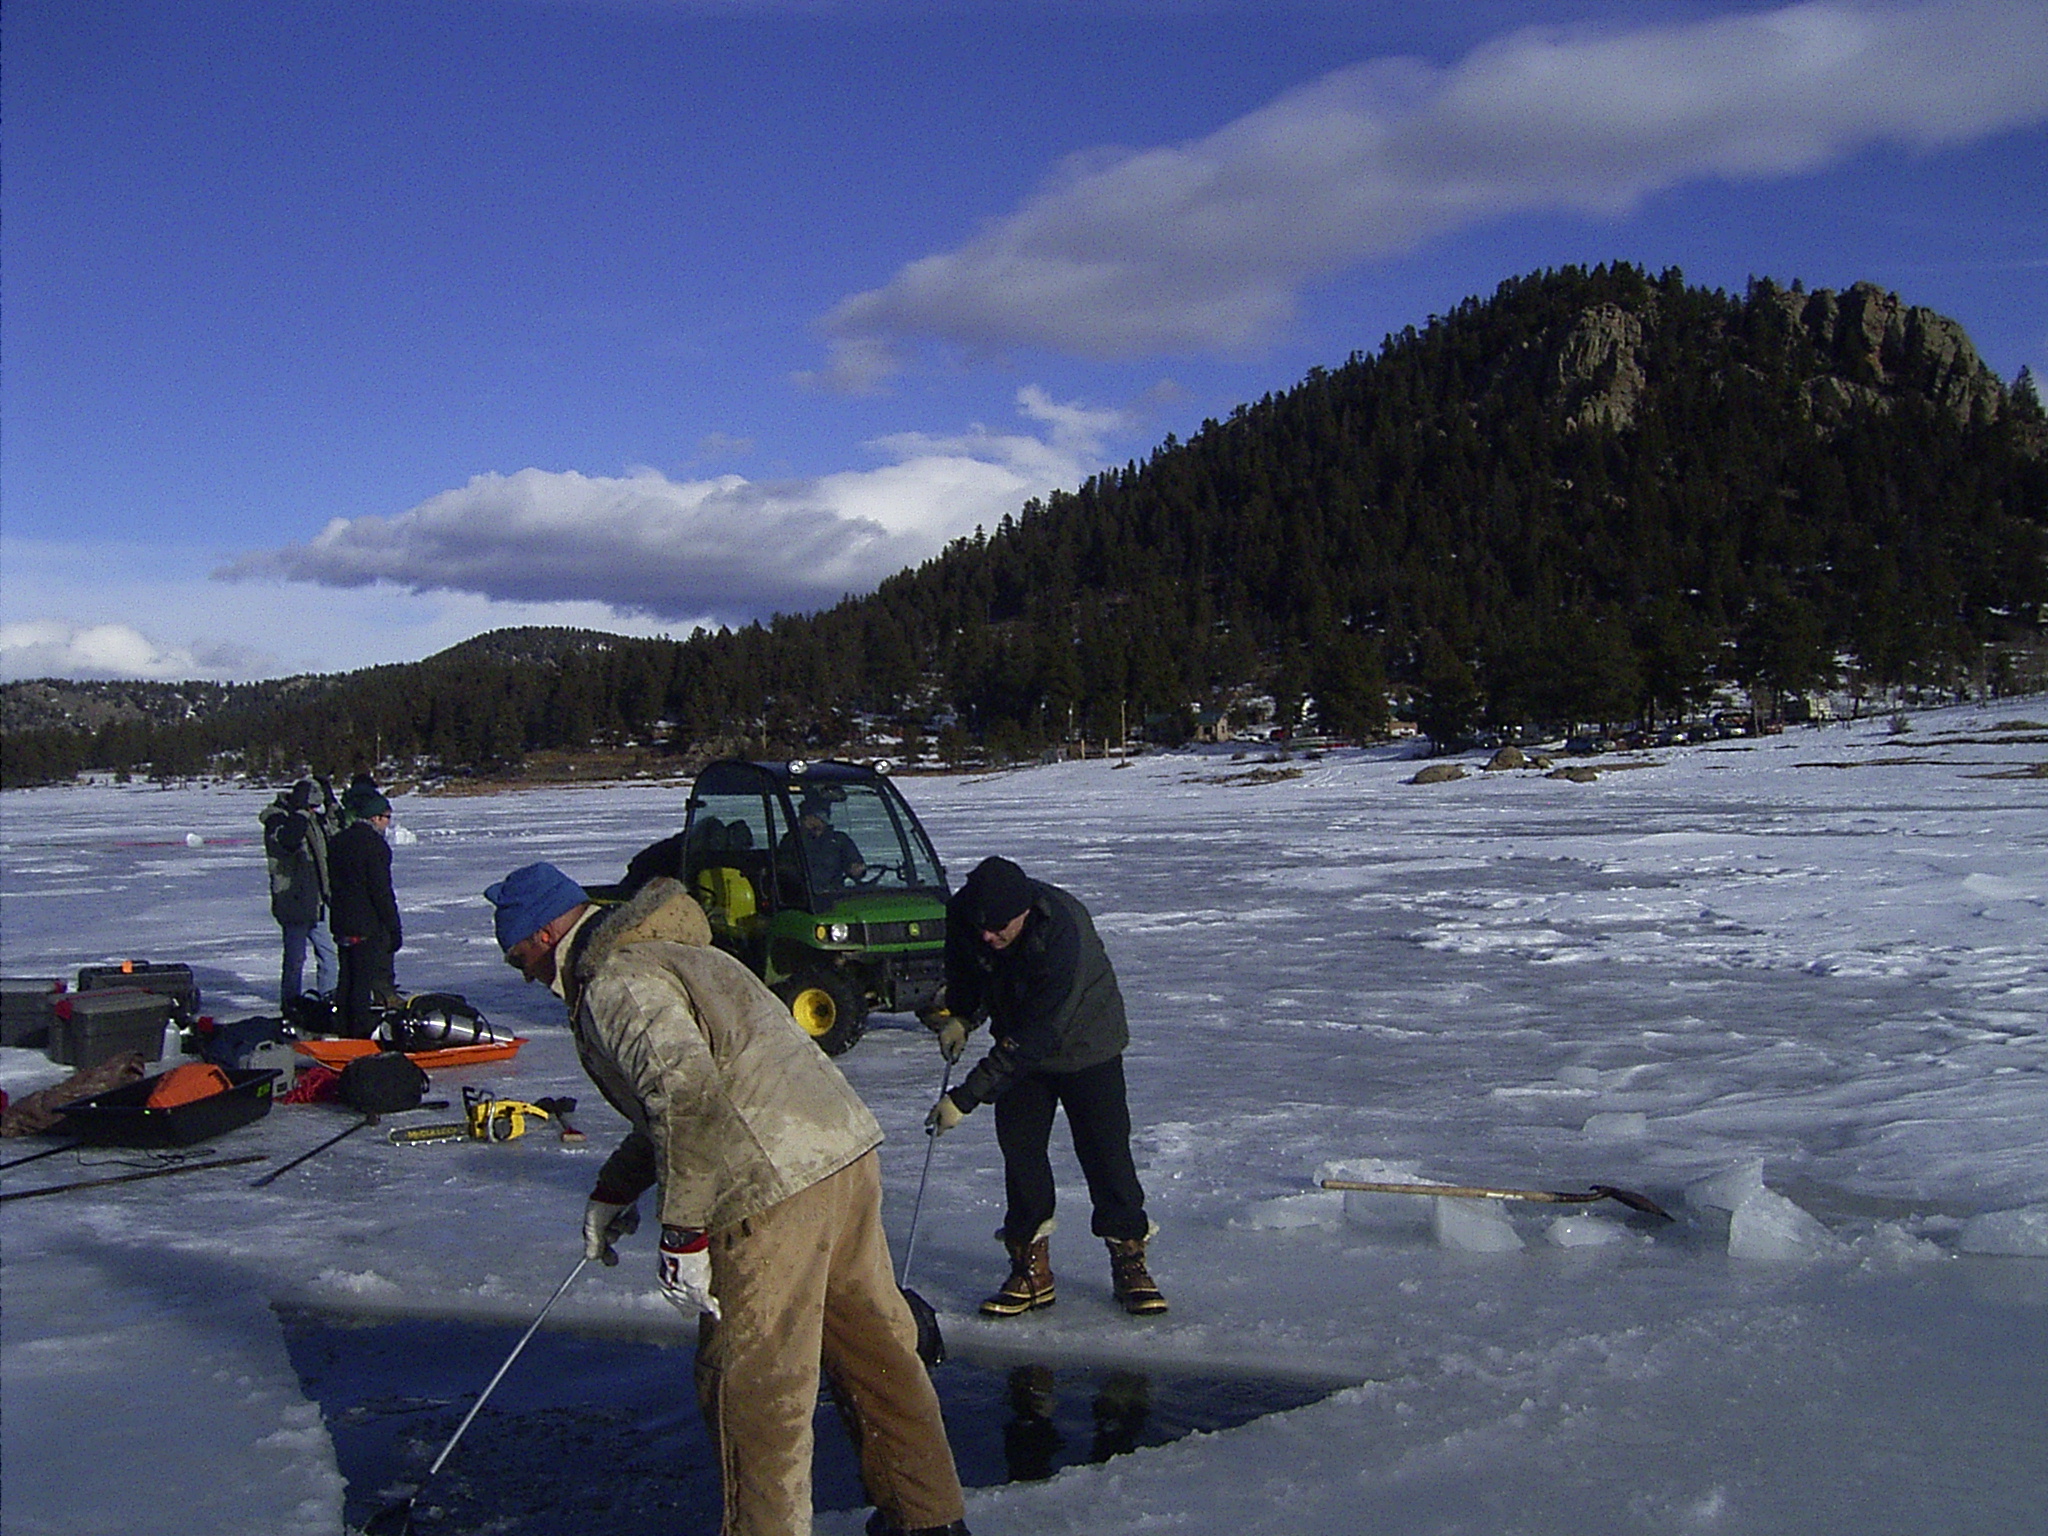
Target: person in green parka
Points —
{"points": [[295, 832]]}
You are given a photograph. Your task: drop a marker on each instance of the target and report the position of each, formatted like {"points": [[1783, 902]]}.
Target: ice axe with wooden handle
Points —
{"points": [[1587, 1196], [561, 1109]]}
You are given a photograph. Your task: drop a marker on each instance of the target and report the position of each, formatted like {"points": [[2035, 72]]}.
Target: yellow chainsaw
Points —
{"points": [[488, 1118]]}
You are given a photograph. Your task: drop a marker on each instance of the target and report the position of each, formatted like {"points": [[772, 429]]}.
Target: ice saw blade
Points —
{"points": [[414, 1135]]}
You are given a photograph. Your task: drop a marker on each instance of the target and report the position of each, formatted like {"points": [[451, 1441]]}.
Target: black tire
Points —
{"points": [[825, 1007]]}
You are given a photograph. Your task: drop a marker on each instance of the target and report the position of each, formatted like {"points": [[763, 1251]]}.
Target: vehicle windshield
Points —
{"points": [[845, 837], [856, 836]]}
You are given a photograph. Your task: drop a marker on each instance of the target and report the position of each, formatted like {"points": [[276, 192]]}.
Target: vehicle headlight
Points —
{"points": [[841, 932]]}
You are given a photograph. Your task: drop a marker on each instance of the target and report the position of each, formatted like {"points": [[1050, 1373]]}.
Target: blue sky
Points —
{"points": [[333, 334]]}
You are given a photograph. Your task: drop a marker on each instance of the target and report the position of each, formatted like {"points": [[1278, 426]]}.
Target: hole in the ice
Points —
{"points": [[601, 1433]]}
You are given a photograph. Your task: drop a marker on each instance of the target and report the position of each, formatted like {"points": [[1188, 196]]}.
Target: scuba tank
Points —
{"points": [[431, 1020]]}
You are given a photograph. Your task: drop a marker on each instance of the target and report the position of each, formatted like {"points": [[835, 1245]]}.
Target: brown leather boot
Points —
{"points": [[1135, 1291], [1030, 1282]]}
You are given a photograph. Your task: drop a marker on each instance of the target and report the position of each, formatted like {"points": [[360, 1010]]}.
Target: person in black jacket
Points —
{"points": [[364, 909], [831, 858], [1025, 955]]}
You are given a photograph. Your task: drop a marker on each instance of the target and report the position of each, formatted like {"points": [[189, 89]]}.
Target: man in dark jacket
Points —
{"points": [[365, 919], [1026, 956], [831, 857], [295, 848]]}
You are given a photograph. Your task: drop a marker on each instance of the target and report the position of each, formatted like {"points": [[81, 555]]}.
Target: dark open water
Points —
{"points": [[601, 1434]]}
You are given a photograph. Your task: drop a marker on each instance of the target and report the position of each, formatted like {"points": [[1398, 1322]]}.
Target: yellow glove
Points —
{"points": [[944, 1116], [950, 1028]]}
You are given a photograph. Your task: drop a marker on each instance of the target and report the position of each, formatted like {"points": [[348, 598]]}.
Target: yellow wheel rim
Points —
{"points": [[815, 1011]]}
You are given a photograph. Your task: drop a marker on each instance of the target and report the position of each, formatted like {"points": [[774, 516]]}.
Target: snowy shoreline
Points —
{"points": [[1816, 997]]}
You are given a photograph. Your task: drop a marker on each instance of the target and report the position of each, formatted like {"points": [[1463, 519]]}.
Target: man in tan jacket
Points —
{"points": [[769, 1191]]}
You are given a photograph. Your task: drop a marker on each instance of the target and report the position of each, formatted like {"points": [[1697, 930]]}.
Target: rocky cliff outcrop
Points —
{"points": [[1875, 348], [1870, 348], [1596, 372]]}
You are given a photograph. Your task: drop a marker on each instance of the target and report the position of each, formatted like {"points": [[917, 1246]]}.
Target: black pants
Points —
{"points": [[1099, 1119], [367, 980]]}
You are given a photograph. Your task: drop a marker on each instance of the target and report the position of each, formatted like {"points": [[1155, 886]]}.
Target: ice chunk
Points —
{"points": [[1583, 1231], [1726, 1190], [2022, 1232], [1617, 1125], [404, 837], [1473, 1226], [1891, 1245], [1322, 1208], [1365, 1209], [1768, 1226]]}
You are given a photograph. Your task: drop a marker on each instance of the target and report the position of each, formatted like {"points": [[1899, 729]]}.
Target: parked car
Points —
{"points": [[1735, 722]]}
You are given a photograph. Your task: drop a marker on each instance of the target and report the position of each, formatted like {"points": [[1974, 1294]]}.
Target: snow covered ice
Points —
{"points": [[1793, 989]]}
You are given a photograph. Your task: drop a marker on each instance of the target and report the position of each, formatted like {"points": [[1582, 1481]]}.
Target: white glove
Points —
{"points": [[944, 1116], [686, 1272], [603, 1223]]}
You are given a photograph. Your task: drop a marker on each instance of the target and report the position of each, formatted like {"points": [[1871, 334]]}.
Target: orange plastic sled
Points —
{"points": [[187, 1085], [336, 1054]]}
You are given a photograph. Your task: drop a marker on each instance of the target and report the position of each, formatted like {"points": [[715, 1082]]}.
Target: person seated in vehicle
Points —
{"points": [[832, 857]]}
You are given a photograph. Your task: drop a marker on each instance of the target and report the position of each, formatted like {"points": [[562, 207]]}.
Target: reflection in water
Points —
{"points": [[1120, 1406], [1031, 1440]]}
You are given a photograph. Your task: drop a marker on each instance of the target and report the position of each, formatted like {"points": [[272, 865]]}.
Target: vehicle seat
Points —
{"points": [[726, 895]]}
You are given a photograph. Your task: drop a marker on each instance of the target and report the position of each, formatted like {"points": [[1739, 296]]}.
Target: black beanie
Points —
{"points": [[998, 892]]}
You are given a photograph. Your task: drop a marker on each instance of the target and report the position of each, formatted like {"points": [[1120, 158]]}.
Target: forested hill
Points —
{"points": [[1589, 497]]}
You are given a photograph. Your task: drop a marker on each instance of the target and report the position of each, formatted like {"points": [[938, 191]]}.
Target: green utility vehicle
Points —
{"points": [[819, 877]]}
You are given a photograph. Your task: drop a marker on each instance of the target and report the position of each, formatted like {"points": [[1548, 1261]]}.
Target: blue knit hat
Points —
{"points": [[529, 899]]}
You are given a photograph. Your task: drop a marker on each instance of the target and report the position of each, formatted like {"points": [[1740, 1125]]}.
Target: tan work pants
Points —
{"points": [[805, 1284]]}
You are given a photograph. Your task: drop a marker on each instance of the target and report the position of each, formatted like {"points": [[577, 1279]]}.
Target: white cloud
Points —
{"points": [[56, 648], [637, 553], [121, 611], [727, 547], [1204, 246]]}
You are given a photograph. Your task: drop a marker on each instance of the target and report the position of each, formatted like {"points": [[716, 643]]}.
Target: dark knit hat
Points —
{"points": [[361, 790], [367, 803], [529, 899], [997, 892]]}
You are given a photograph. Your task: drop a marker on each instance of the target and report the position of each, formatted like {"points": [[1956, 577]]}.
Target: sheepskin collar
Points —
{"points": [[660, 911]]}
